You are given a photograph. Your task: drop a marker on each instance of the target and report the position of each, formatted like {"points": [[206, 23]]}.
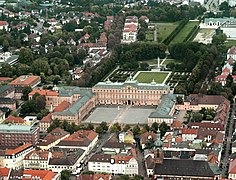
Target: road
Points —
{"points": [[228, 140]]}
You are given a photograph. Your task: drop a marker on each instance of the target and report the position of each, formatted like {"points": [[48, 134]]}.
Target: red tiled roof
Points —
{"points": [[13, 119], [62, 106], [94, 177], [177, 124], [43, 155], [47, 118], [4, 172], [10, 152], [25, 80], [5, 79], [43, 174], [232, 167], [3, 23], [44, 92], [189, 131]]}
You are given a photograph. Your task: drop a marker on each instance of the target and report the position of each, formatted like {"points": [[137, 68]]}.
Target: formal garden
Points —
{"points": [[149, 76], [177, 78]]}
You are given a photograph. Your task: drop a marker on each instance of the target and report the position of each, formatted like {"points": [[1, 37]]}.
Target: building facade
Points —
{"points": [[130, 92]]}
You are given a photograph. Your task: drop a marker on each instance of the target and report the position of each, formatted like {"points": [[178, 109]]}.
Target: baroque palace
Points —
{"points": [[130, 92]]}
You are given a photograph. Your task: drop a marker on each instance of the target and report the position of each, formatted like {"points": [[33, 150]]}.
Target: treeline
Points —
{"points": [[129, 55], [197, 58], [175, 32], [166, 12], [192, 33]]}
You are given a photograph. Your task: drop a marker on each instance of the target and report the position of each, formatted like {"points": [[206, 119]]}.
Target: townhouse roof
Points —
{"points": [[149, 162], [232, 167], [117, 145], [3, 23], [53, 136], [183, 167], [232, 50], [67, 157], [177, 124], [68, 91], [42, 174], [79, 138], [62, 106], [4, 172], [118, 158], [3, 79], [100, 158], [14, 120], [19, 149], [44, 92], [222, 76], [5, 88], [207, 125], [25, 80], [164, 109], [43, 155], [147, 136], [7, 100], [46, 119], [196, 99]]}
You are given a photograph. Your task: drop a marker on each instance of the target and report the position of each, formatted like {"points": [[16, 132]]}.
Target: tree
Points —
{"points": [[141, 35], [154, 127], [219, 39], [138, 177], [25, 56], [126, 128], [26, 90], [99, 129], [65, 175], [136, 130], [115, 128], [179, 100], [5, 45], [41, 65], [40, 102], [163, 128], [70, 26], [90, 126], [197, 117], [144, 66], [7, 70], [104, 126]]}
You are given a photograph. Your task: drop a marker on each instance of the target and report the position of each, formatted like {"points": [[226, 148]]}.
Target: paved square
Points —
{"points": [[123, 115]]}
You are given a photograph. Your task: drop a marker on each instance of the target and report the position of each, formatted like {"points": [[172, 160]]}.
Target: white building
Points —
{"points": [[231, 53], [114, 164], [4, 25], [130, 29], [189, 134], [14, 157]]}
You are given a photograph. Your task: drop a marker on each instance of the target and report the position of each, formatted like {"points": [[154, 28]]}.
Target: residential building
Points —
{"points": [[2, 116], [232, 169], [26, 80], [83, 139], [8, 102], [53, 138], [12, 135], [14, 157], [206, 125], [126, 137], [40, 175], [123, 163], [130, 92], [147, 137], [8, 57], [231, 53], [7, 92], [5, 173], [37, 159], [66, 159], [130, 31], [45, 123], [4, 25], [5, 79], [189, 134]]}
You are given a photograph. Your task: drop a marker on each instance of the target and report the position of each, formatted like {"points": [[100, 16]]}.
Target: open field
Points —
{"points": [[163, 31], [184, 32], [204, 36], [147, 77], [230, 43]]}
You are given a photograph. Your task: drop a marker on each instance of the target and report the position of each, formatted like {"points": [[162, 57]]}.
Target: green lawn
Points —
{"points": [[229, 43], [168, 61], [184, 32], [164, 29], [147, 77]]}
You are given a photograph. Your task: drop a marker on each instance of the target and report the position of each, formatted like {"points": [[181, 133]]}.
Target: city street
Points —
{"points": [[228, 144]]}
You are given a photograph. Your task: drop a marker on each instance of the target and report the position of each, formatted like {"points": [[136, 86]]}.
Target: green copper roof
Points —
{"points": [[72, 110], [165, 107], [15, 128], [133, 83], [68, 91]]}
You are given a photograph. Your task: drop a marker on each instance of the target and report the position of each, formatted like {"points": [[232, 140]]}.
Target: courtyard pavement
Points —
{"points": [[123, 115]]}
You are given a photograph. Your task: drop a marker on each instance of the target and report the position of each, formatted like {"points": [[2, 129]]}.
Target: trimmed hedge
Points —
{"points": [[192, 33], [175, 32]]}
